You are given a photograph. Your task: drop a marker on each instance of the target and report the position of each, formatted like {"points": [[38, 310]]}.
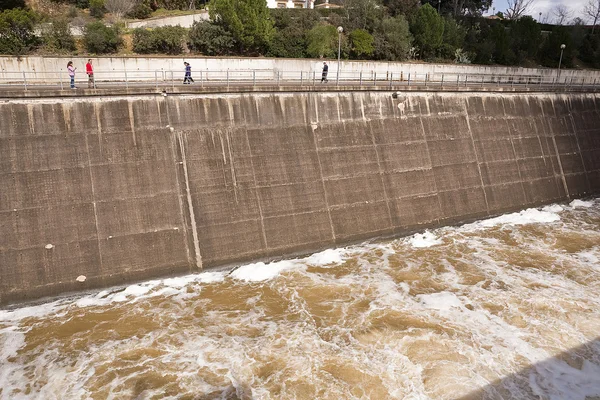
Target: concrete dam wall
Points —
{"points": [[124, 188]]}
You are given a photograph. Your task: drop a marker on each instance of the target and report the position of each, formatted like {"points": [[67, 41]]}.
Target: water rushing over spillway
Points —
{"points": [[498, 309]]}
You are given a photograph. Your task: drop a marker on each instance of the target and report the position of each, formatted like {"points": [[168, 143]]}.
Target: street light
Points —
{"points": [[562, 48], [340, 30]]}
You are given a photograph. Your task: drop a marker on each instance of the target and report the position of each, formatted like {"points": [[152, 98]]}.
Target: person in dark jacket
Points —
{"points": [[188, 73], [325, 71]]}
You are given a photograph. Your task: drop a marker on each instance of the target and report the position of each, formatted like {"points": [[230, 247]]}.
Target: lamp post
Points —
{"points": [[340, 30], [562, 48]]}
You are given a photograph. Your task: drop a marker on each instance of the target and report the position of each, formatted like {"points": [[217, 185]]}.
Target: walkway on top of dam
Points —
{"points": [[56, 84]]}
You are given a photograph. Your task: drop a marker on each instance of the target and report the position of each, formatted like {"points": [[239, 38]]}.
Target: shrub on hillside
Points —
{"points": [[97, 8], [57, 37], [141, 10], [16, 31], [362, 43], [164, 40], [101, 39], [210, 39]]}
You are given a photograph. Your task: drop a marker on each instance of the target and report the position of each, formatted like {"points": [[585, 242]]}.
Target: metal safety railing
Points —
{"points": [[26, 80]]}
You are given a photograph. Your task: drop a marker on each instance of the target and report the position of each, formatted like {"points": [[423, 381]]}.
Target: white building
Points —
{"points": [[291, 3]]}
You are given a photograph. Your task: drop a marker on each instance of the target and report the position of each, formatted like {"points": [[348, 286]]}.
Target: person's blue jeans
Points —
{"points": [[72, 82]]}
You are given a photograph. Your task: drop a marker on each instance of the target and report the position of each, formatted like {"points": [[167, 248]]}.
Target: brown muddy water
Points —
{"points": [[507, 308]]}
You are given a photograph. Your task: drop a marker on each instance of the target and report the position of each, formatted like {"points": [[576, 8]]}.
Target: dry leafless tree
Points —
{"points": [[119, 7], [592, 10], [517, 8], [561, 13]]}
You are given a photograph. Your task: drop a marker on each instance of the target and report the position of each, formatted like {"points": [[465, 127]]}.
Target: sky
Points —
{"points": [[545, 7]]}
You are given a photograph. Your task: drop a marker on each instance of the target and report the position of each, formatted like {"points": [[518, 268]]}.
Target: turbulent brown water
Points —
{"points": [[498, 309]]}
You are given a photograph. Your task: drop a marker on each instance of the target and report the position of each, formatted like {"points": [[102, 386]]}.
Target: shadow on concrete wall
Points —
{"points": [[572, 374]]}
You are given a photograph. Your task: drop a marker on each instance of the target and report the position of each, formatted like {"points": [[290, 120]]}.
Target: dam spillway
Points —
{"points": [[118, 189]]}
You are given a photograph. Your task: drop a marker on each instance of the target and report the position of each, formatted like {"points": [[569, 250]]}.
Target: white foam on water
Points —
{"points": [[260, 271], [529, 216], [327, 257], [440, 301], [426, 239], [553, 208], [581, 204]]}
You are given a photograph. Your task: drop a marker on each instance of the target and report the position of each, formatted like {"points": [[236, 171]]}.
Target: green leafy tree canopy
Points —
{"points": [[16, 31], [248, 21], [428, 30], [361, 43]]}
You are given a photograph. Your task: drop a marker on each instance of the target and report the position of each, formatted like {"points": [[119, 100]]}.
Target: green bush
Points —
{"points": [[16, 31], [141, 10], [210, 39], [165, 40], [393, 39], [322, 41], [58, 38], [97, 8], [361, 43], [101, 39]]}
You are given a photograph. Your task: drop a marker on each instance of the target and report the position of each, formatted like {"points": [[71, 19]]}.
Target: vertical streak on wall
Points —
{"points": [[132, 121], [181, 142], [381, 171], [487, 206], [512, 144], [576, 134], [314, 125], [557, 153], [429, 159], [89, 164], [256, 194]]}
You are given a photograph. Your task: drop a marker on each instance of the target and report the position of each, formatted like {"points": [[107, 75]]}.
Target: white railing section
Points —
{"points": [[161, 79]]}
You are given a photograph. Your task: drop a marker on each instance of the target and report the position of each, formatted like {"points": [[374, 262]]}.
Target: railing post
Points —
{"points": [[172, 81], [391, 78], [156, 79], [253, 78], [582, 81], [442, 83], [374, 78], [301, 77], [201, 79], [360, 79], [227, 78], [466, 80], [61, 83], [458, 80], [409, 79], [126, 82], [24, 80], [278, 84]]}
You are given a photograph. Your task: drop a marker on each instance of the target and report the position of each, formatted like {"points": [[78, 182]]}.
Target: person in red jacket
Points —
{"points": [[89, 70]]}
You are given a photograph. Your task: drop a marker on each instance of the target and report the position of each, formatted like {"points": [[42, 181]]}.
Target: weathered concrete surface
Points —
{"points": [[124, 188]]}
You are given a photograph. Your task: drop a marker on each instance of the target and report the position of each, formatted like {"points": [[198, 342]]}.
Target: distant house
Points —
{"points": [[291, 3]]}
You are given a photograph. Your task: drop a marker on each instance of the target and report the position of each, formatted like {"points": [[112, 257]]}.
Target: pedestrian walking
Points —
{"points": [[325, 71], [188, 73], [89, 70], [71, 70]]}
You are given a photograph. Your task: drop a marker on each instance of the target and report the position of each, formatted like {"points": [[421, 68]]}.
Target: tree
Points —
{"points": [[562, 13], [8, 4], [453, 39], [162, 40], [428, 30], [248, 21], [322, 41], [101, 39], [97, 8], [58, 38], [210, 39], [361, 43], [393, 39], [16, 31], [402, 7], [517, 8], [118, 8], [362, 14], [552, 48], [592, 10], [526, 36], [460, 7]]}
